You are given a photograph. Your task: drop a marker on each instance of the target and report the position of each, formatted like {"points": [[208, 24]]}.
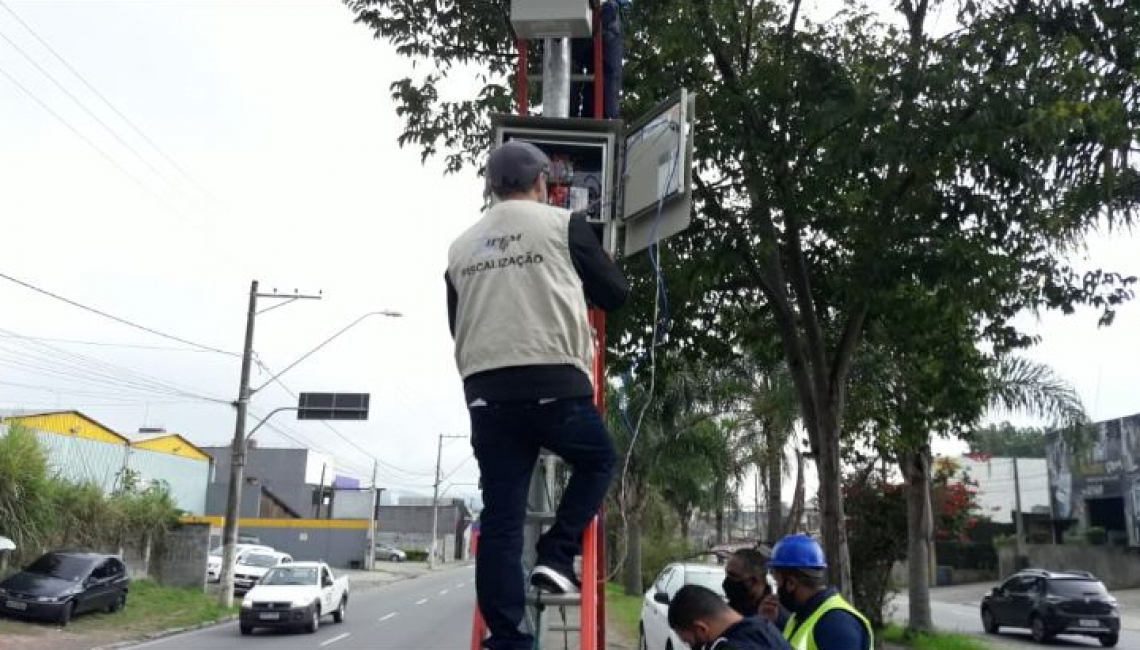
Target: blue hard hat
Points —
{"points": [[797, 552]]}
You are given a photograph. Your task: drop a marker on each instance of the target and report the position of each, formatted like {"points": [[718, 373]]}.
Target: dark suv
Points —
{"points": [[1050, 603]]}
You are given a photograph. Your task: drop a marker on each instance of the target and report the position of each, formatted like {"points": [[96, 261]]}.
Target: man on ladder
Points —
{"points": [[518, 282]]}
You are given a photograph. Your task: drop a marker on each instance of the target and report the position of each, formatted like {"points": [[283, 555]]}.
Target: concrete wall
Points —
{"points": [[351, 504], [1118, 568], [182, 560], [338, 546]]}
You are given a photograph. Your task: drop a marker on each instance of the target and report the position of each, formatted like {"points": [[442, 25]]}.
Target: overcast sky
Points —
{"points": [[278, 118]]}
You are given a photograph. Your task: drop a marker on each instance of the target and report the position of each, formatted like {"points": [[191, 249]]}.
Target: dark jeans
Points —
{"points": [[582, 61], [506, 437]]}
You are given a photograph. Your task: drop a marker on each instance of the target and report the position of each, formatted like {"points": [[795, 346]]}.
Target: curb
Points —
{"points": [[154, 636]]}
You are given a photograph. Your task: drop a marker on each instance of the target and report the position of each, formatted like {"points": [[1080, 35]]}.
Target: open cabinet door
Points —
{"points": [[655, 182]]}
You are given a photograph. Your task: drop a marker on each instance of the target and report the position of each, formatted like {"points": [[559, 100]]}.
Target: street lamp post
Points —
{"points": [[239, 447]]}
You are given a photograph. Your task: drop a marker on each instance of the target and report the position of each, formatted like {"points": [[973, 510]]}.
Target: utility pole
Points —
{"points": [[238, 448], [435, 501], [370, 559], [1019, 532]]}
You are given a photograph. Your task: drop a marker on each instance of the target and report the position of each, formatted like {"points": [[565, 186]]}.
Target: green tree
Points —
{"points": [[839, 161], [1005, 440]]}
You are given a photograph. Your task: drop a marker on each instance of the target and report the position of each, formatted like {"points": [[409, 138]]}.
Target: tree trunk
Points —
{"points": [[756, 508], [686, 520], [631, 578], [794, 522], [720, 524], [834, 520], [916, 470], [775, 470]]}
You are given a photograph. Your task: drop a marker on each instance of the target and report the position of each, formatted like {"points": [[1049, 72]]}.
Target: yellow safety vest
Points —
{"points": [[802, 638]]}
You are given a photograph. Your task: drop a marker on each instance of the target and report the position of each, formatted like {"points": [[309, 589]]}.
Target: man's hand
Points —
{"points": [[770, 607]]}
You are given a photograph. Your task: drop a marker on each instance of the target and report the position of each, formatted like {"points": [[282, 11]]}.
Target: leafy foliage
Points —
{"points": [[842, 167], [1005, 440], [39, 510]]}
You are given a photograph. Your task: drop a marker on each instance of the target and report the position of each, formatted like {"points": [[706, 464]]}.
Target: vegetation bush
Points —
{"points": [[40, 510], [416, 555]]}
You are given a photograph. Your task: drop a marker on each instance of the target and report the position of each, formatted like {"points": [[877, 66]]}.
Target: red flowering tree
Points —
{"points": [[954, 497]]}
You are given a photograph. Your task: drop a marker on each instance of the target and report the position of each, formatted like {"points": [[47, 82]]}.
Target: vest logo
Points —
{"points": [[501, 243]]}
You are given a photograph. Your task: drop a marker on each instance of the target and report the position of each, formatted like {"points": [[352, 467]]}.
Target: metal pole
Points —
{"points": [[370, 560], [556, 77], [435, 504], [1019, 545], [237, 460]]}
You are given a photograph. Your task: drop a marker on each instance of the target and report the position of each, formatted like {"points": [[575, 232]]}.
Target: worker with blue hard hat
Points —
{"points": [[821, 619]]}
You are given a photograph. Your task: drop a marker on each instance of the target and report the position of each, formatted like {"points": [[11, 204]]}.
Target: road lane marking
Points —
{"points": [[421, 601], [387, 616], [443, 593], [459, 586], [336, 638]]}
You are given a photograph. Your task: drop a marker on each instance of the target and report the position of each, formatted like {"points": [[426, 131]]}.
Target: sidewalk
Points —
{"points": [[387, 572]]}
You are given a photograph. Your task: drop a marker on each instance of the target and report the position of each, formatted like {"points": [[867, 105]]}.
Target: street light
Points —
{"points": [[384, 312], [238, 447]]}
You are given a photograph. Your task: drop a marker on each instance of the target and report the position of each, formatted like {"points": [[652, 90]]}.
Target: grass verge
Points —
{"points": [[933, 641], [150, 608], [623, 610]]}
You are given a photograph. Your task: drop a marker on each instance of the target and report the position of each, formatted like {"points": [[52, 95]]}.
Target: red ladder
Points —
{"points": [[593, 597]]}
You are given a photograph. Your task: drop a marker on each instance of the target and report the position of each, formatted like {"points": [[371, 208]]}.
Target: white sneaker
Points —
{"points": [[551, 580]]}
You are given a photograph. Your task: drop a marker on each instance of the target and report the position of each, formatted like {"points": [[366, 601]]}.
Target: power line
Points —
{"points": [[78, 367], [122, 321], [157, 197], [88, 111], [106, 101], [107, 344], [340, 435]]}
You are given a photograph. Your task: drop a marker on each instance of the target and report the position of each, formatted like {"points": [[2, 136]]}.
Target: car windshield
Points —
{"points": [[290, 576], [259, 559], [67, 567], [1077, 588], [708, 579]]}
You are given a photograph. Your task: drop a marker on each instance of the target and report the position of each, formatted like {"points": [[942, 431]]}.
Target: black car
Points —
{"points": [[61, 584], [1051, 603]]}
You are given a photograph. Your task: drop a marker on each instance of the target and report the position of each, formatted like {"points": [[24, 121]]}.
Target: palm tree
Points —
{"points": [[1016, 385]]}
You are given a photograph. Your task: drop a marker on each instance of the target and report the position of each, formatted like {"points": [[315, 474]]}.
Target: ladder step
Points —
{"points": [[564, 628], [555, 600], [541, 517], [537, 77]]}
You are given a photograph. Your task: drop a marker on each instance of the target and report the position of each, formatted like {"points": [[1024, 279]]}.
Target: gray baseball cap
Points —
{"points": [[514, 167]]}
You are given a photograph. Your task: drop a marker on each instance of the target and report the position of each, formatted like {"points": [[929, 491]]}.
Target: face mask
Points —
{"points": [[739, 597], [787, 597]]}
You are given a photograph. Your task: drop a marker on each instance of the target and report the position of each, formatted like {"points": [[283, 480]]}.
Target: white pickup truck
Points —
{"points": [[295, 595]]}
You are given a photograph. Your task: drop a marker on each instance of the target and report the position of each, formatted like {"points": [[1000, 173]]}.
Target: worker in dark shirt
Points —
{"points": [[746, 582], [705, 622], [821, 618], [519, 281]]}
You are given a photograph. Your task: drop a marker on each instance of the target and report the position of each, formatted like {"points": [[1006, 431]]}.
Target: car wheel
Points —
{"points": [[1037, 627], [394, 558], [118, 604], [989, 623], [668, 645], [338, 615], [246, 630], [1109, 640], [66, 614], [642, 644], [314, 620]]}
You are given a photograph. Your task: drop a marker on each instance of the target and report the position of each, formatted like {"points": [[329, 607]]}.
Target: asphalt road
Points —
{"points": [[432, 612], [964, 616]]}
